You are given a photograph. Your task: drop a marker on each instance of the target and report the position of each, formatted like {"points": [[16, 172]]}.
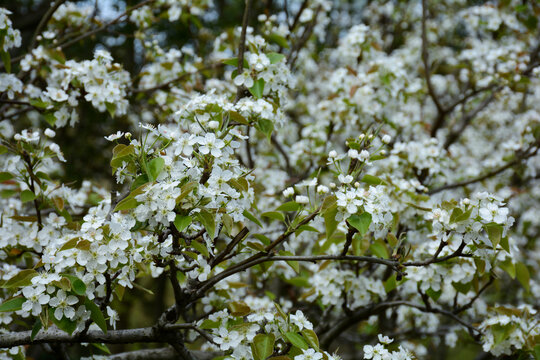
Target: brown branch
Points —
{"points": [[435, 259], [44, 20], [242, 47], [471, 302], [519, 157], [467, 119], [230, 247], [427, 69]]}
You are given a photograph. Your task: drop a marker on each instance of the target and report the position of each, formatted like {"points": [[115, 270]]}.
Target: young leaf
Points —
{"points": [[274, 215], [360, 222], [262, 346], [522, 274], [77, 285], [297, 340], [96, 315], [27, 195], [311, 338], [181, 222], [275, 57], [207, 219], [12, 304], [258, 88], [35, 329], [154, 168], [494, 232], [23, 278], [251, 217]]}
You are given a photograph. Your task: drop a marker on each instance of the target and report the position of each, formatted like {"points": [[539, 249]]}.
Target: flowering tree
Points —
{"points": [[313, 180]]}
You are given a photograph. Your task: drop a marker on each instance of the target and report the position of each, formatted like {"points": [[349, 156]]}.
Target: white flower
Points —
{"points": [[244, 79], [309, 354], [210, 144], [345, 179], [113, 137], [49, 133], [288, 192], [226, 339], [301, 321], [56, 150], [384, 339], [386, 139], [62, 304], [56, 94], [301, 199]]}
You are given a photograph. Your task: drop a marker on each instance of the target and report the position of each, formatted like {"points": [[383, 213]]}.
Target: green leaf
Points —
{"points": [[390, 284], [293, 264], [6, 59], [186, 190], [96, 315], [231, 61], [154, 168], [262, 346], [27, 195], [494, 232], [126, 204], [77, 285], [102, 347], [372, 180], [522, 274], [200, 248], [122, 150], [181, 222], [39, 104], [537, 352], [509, 267], [505, 245], [258, 88], [275, 57], [12, 304], [35, 329], [289, 206], [330, 220], [23, 278], [274, 215], [239, 308], [64, 324], [251, 217], [360, 222], [266, 127], [208, 220], [378, 249], [279, 40], [111, 108], [140, 180], [6, 176], [311, 338], [297, 340], [435, 295]]}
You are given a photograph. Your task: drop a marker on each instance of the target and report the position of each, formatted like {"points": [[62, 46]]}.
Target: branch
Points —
{"points": [[53, 335], [435, 259], [467, 119], [230, 247], [167, 353], [519, 157], [44, 20], [242, 47], [427, 69], [470, 303]]}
